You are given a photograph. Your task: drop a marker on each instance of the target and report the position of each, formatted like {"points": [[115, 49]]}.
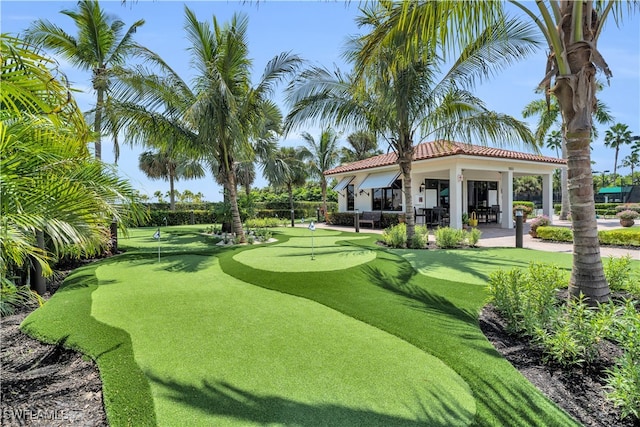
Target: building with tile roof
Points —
{"points": [[447, 180]]}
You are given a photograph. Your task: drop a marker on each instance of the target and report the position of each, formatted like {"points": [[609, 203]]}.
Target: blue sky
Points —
{"points": [[317, 31]]}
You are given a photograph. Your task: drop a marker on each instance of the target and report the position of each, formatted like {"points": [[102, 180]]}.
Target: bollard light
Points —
{"points": [[357, 221], [519, 218]]}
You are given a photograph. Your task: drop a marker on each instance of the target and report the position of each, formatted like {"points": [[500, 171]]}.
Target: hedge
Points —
{"points": [[620, 237], [347, 219]]}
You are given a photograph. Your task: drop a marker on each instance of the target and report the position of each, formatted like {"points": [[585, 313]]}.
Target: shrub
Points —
{"points": [[618, 271], [420, 237], [395, 236], [621, 236], [539, 221], [526, 297], [556, 234], [447, 237], [576, 331], [635, 207], [623, 383], [473, 237], [265, 222], [627, 214]]}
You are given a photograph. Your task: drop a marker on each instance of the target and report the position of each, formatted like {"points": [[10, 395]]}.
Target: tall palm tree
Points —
{"points": [[571, 29], [554, 141], [631, 161], [615, 137], [406, 98], [169, 167], [286, 168], [101, 45], [362, 145], [549, 115], [50, 183], [229, 110], [321, 155]]}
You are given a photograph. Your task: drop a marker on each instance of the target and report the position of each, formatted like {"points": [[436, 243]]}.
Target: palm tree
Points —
{"points": [[363, 144], [100, 46], [286, 168], [549, 115], [554, 141], [321, 155], [631, 161], [401, 98], [571, 29], [50, 184], [228, 110], [616, 136], [169, 167]]}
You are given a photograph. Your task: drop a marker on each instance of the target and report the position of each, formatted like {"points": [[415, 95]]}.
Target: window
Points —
{"points": [[387, 199], [350, 197]]}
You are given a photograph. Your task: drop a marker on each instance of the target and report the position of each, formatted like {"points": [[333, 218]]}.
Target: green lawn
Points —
{"points": [[265, 334]]}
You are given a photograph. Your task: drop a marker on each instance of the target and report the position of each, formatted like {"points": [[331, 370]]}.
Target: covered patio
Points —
{"points": [[447, 180]]}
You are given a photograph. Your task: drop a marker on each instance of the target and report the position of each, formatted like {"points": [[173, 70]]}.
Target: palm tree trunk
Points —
{"points": [[323, 188], [235, 212], [172, 195], [565, 207], [98, 124], [587, 275], [404, 161]]}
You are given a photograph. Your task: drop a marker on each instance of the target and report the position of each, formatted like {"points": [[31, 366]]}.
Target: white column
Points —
{"points": [[506, 199], [455, 198], [547, 195]]}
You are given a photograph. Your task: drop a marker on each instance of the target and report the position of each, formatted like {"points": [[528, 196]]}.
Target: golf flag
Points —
{"points": [[312, 226], [156, 235]]}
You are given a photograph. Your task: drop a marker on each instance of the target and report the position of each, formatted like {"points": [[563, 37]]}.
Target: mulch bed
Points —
{"points": [[46, 385]]}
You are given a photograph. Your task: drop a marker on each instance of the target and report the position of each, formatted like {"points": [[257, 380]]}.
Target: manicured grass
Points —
{"points": [[382, 338]]}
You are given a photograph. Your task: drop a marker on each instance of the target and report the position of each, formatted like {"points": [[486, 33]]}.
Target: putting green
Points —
{"points": [[294, 255], [218, 351]]}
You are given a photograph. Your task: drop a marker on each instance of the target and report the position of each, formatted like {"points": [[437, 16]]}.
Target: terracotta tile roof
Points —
{"points": [[440, 148]]}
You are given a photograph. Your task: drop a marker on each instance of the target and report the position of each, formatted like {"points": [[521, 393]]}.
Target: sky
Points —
{"points": [[317, 31]]}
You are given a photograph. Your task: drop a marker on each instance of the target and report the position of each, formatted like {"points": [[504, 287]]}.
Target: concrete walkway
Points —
{"points": [[494, 236]]}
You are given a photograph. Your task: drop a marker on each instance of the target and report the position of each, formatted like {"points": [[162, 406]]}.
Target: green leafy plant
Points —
{"points": [[539, 221], [627, 214], [447, 237], [420, 238], [623, 385], [617, 272], [473, 237], [12, 297], [395, 236]]}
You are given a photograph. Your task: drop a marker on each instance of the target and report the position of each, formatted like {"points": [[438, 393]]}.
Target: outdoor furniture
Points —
{"points": [[439, 216], [371, 218], [494, 213], [420, 216]]}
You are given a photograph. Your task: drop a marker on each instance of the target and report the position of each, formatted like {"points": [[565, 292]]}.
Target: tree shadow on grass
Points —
{"points": [[225, 400], [416, 296]]}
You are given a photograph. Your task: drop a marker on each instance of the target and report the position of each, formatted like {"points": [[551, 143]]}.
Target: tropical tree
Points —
{"points": [[286, 168], [321, 155], [222, 115], [405, 97], [51, 187], [229, 110], [100, 46], [554, 141], [631, 161], [549, 116], [571, 29], [362, 145], [615, 137], [169, 167]]}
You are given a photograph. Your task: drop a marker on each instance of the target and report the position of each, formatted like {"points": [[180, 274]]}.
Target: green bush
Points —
{"points": [[526, 298], [395, 236], [265, 222], [420, 237], [623, 385], [447, 237], [556, 234], [157, 218], [618, 272], [621, 237], [473, 237]]}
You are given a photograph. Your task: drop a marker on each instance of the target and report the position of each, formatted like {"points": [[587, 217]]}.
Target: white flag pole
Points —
{"points": [[156, 236], [312, 227]]}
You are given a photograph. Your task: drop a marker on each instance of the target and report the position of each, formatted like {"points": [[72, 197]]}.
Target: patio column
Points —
{"points": [[455, 197], [547, 195], [506, 199]]}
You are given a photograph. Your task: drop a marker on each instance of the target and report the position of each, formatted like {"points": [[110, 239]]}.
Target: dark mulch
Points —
{"points": [[46, 385], [579, 391]]}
